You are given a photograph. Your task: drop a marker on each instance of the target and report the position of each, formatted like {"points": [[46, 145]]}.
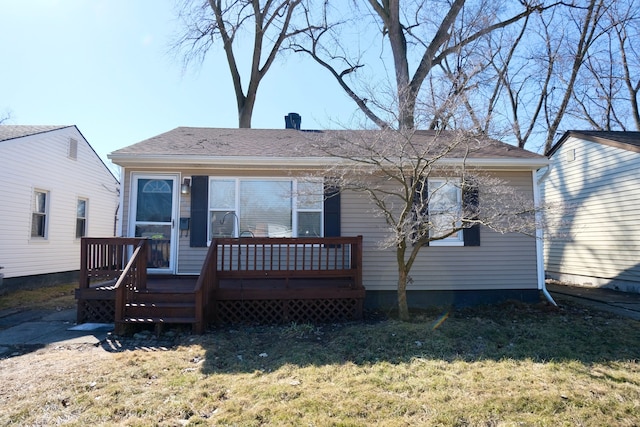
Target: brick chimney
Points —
{"points": [[292, 121]]}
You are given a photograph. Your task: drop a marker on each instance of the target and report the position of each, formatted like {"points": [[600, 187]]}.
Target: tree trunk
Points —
{"points": [[245, 111], [403, 308]]}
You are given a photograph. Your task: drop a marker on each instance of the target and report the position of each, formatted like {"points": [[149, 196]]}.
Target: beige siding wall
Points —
{"points": [[601, 187], [189, 260], [41, 162], [501, 262]]}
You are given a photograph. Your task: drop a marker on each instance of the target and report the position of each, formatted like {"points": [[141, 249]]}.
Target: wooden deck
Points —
{"points": [[257, 280]]}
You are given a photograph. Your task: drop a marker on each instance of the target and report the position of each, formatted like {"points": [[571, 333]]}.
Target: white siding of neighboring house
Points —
{"points": [[41, 162], [601, 242], [501, 262]]}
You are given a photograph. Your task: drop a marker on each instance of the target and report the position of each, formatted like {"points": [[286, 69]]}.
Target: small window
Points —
{"points": [[222, 208], [445, 207], [81, 219], [310, 202], [73, 148], [39, 214]]}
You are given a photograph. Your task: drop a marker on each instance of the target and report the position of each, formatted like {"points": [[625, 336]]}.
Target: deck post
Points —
{"points": [[142, 265]]}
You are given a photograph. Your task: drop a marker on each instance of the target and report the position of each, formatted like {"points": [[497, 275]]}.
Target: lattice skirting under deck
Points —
{"points": [[96, 311], [285, 311]]}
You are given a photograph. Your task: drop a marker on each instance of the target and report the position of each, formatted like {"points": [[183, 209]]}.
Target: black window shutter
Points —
{"points": [[331, 211], [471, 235], [199, 209]]}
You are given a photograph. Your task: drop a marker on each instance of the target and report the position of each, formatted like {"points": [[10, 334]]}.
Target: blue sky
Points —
{"points": [[106, 67]]}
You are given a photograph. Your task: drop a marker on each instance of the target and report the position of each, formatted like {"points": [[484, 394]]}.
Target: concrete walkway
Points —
{"points": [[625, 304], [22, 331]]}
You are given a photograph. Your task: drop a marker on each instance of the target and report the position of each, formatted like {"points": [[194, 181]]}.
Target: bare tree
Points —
{"points": [[6, 116], [606, 94], [270, 23], [422, 27], [395, 169], [530, 72]]}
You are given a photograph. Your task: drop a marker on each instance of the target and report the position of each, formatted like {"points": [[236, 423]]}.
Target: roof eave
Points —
{"points": [[129, 160], [499, 163]]}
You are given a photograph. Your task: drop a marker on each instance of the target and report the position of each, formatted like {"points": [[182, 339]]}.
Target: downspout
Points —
{"points": [[539, 236]]}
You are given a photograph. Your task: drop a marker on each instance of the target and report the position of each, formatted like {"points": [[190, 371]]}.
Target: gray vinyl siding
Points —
{"points": [[601, 237], [500, 262]]}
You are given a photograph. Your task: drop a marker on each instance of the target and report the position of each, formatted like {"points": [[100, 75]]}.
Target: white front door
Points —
{"points": [[153, 215]]}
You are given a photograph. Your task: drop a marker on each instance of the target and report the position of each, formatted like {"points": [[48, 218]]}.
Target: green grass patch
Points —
{"points": [[46, 297]]}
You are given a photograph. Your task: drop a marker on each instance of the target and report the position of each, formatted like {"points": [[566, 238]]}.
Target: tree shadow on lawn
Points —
{"points": [[511, 331]]}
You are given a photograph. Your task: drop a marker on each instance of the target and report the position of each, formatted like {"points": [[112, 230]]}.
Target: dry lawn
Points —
{"points": [[506, 365]]}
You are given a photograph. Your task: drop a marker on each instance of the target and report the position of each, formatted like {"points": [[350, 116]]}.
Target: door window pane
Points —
{"points": [[154, 200], [159, 244]]}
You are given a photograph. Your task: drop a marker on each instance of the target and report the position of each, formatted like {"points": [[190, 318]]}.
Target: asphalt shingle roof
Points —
{"points": [[620, 139], [8, 132], [285, 143]]}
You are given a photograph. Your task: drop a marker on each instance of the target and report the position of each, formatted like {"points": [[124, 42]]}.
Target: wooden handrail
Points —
{"points": [[137, 276], [204, 285]]}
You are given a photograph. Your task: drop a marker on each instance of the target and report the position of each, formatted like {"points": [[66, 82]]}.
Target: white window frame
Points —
{"points": [[45, 214], [85, 217], [235, 217], [456, 239]]}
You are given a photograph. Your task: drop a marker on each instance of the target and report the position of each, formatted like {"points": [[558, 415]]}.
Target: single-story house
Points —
{"points": [[55, 190], [595, 174], [186, 187]]}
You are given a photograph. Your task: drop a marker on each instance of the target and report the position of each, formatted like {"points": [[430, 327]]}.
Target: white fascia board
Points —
{"points": [[227, 161], [315, 162], [493, 163]]}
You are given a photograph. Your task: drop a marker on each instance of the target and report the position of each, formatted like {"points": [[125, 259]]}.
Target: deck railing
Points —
{"points": [[267, 280], [103, 259], [288, 257]]}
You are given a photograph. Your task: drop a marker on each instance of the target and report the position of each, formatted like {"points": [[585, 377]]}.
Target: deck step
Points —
{"points": [[160, 309], [163, 297], [157, 304], [159, 320]]}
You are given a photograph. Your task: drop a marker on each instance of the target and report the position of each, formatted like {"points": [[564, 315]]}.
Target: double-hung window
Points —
{"points": [[81, 218], [445, 210], [245, 207], [39, 214]]}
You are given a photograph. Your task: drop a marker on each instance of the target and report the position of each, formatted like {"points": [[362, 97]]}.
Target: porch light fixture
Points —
{"points": [[185, 188]]}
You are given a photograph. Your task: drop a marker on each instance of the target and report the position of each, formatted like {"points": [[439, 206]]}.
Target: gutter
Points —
{"points": [[131, 160], [539, 238]]}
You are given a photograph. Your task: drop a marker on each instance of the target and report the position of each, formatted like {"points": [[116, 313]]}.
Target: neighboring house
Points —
{"points": [[55, 190], [235, 178], [596, 175]]}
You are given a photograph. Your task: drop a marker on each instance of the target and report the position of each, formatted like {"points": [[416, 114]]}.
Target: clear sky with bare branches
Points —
{"points": [[106, 66]]}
